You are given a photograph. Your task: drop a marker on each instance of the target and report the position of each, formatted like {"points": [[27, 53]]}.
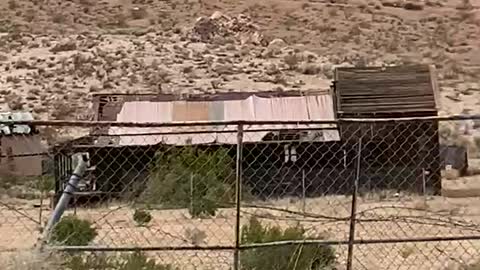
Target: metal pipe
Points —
{"points": [[76, 123], [66, 197], [238, 196], [351, 238], [265, 245]]}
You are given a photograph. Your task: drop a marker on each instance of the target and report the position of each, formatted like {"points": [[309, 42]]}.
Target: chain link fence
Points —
{"points": [[347, 194]]}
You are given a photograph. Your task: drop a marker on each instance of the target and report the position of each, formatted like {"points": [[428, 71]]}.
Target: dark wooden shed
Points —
{"points": [[408, 152]]}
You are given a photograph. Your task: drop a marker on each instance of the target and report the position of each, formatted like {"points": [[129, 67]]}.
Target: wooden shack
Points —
{"points": [[395, 154], [276, 158]]}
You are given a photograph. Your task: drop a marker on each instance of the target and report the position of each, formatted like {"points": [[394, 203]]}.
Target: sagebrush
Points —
{"points": [[73, 231], [201, 180], [142, 217], [286, 257], [133, 261]]}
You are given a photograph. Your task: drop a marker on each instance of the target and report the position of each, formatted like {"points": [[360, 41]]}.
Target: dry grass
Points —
{"points": [[29, 260]]}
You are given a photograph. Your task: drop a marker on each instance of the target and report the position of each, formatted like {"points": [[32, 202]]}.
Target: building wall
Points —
{"points": [[21, 154]]}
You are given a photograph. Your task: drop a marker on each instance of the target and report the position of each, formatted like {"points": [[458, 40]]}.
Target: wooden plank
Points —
{"points": [[388, 104], [386, 96], [397, 101], [435, 87], [385, 90]]}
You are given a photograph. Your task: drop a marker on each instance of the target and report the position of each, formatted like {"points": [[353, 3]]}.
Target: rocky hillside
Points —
{"points": [[54, 54]]}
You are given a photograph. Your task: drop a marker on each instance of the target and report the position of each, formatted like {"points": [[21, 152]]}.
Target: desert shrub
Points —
{"points": [[201, 180], [138, 260], [92, 261], [8, 179], [195, 236], [300, 257], [12, 4], [133, 261], [142, 217], [477, 142], [72, 231], [46, 183]]}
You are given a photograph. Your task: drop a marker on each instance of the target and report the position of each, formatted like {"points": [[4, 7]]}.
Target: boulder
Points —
{"points": [[277, 44]]}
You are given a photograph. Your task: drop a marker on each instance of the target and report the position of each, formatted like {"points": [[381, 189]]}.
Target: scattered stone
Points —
{"points": [[64, 45], [392, 3], [309, 68], [413, 6], [277, 44], [241, 27], [224, 69], [271, 69]]}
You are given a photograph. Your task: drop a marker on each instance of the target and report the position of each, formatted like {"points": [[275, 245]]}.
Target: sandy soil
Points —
{"points": [[54, 54], [380, 217]]}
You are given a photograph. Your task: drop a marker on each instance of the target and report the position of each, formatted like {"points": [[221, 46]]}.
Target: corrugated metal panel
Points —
{"points": [[108, 105], [385, 90], [15, 116], [252, 108], [190, 111]]}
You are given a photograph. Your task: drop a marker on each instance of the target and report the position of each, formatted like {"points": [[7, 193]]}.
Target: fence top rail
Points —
{"points": [[76, 123]]}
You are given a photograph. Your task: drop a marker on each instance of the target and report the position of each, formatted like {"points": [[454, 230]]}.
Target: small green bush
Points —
{"points": [[142, 217], [93, 261], [9, 179], [46, 183], [287, 257], [133, 261], [188, 177], [72, 231]]}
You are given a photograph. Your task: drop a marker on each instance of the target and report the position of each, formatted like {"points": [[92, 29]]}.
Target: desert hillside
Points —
{"points": [[54, 54]]}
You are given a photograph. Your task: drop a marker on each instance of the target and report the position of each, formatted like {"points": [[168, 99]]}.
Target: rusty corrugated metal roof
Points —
{"points": [[252, 108], [374, 90], [108, 105]]}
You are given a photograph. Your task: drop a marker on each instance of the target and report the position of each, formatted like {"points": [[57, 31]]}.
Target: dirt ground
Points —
{"points": [[55, 54], [381, 216]]}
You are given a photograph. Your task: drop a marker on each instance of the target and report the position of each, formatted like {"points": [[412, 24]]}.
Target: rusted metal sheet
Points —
{"points": [[190, 111], [106, 106], [402, 89], [252, 108]]}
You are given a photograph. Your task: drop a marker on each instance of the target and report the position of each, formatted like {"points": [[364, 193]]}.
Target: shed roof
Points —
{"points": [[374, 90], [251, 108], [108, 105]]}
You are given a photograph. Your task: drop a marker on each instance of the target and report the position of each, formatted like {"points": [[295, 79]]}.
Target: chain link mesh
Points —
{"points": [[245, 195]]}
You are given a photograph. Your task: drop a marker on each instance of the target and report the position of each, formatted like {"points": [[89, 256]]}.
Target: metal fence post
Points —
{"points": [[238, 195], [351, 237]]}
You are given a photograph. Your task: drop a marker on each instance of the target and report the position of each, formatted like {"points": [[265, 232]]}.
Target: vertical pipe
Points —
{"points": [[424, 185], [238, 198], [351, 237], [65, 198], [304, 203], [40, 211], [56, 169], [191, 193]]}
